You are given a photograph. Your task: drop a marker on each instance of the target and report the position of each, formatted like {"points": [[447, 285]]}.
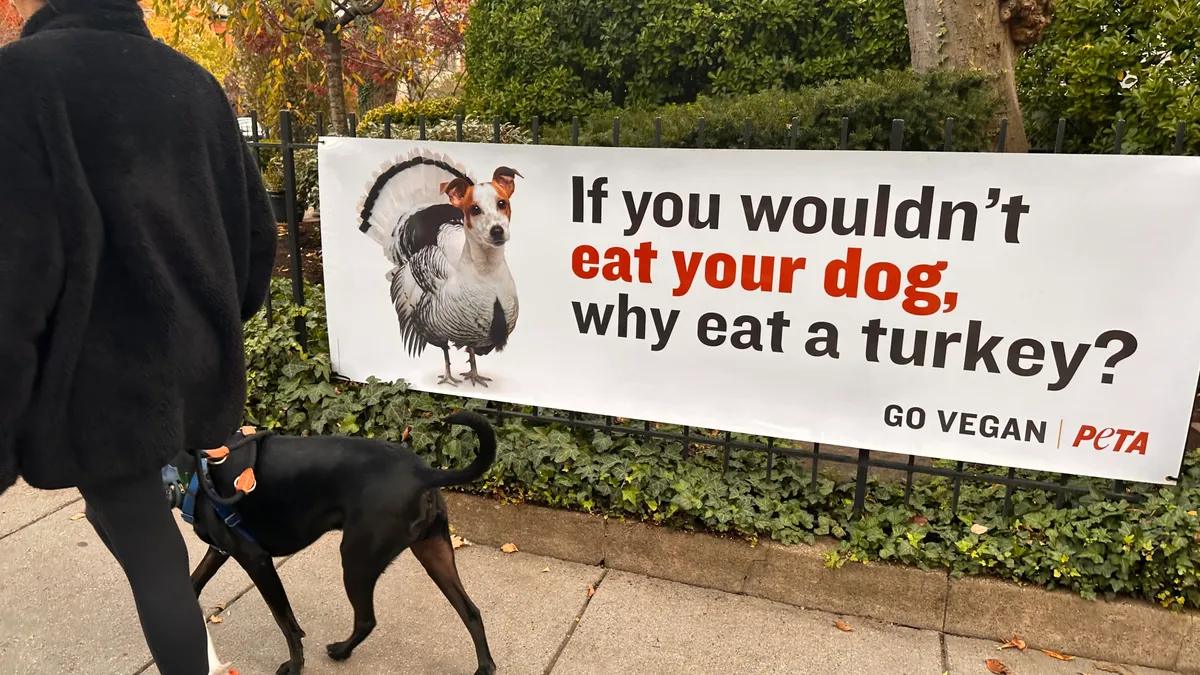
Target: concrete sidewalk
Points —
{"points": [[67, 609]]}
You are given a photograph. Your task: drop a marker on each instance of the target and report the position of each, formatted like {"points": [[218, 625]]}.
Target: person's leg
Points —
{"points": [[134, 521]]}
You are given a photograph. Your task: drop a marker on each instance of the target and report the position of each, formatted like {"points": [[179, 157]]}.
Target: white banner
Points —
{"points": [[1035, 311]]}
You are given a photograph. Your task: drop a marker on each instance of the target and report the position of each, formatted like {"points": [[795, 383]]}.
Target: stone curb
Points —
{"points": [[1124, 631]]}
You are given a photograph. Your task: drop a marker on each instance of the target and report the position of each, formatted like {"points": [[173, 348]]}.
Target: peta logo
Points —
{"points": [[1108, 438]]}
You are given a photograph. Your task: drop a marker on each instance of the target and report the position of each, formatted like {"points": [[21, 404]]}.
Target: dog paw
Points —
{"points": [[290, 668], [487, 669], [339, 651]]}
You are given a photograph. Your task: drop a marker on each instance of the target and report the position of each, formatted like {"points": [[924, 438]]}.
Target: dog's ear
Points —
{"points": [[456, 190], [505, 178]]}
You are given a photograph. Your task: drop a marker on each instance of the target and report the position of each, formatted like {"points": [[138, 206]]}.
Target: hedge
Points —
{"points": [[558, 58], [433, 109], [1103, 60], [922, 101], [1092, 546]]}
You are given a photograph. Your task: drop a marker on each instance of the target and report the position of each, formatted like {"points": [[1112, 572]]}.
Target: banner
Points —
{"points": [[1034, 311]]}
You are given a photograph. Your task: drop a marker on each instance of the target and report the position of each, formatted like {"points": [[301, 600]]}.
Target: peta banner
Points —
{"points": [[1035, 311]]}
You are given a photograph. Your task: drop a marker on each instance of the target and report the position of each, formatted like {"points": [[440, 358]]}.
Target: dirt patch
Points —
{"points": [[310, 252]]}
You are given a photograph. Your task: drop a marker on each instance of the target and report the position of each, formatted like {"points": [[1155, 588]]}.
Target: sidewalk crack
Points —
{"points": [[574, 625]]}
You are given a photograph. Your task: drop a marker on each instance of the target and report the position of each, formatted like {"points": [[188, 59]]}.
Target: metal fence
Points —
{"points": [[859, 462]]}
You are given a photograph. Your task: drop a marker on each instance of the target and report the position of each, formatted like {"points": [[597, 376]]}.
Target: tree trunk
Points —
{"points": [[335, 83], [968, 35]]}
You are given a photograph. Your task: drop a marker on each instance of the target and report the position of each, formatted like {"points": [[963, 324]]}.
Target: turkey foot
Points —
{"points": [[473, 375], [448, 378]]}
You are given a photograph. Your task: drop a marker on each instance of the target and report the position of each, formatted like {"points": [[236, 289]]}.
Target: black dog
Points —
{"points": [[382, 497]]}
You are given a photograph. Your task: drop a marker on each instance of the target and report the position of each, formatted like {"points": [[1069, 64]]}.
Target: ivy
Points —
{"points": [[1093, 546]]}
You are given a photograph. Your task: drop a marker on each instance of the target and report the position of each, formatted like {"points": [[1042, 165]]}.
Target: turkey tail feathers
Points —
{"points": [[412, 181]]}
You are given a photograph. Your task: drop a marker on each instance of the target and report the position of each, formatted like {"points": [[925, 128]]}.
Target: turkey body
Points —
{"points": [[449, 291]]}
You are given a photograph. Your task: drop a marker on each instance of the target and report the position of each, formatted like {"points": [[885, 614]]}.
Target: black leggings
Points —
{"points": [[134, 521]]}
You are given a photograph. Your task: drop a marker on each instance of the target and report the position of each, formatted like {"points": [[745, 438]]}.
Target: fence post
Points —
{"points": [[496, 129], [320, 124], [421, 127], [897, 141], [352, 121], [616, 132], [387, 126], [658, 132], [844, 140], [1002, 142], [293, 221], [860, 481], [1180, 137], [1060, 136], [949, 134], [254, 136], [1119, 139], [536, 128], [575, 130]]}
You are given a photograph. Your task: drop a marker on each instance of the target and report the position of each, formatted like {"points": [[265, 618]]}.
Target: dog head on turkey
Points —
{"points": [[486, 209]]}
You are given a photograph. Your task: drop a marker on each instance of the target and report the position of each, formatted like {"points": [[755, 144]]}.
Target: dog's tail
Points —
{"points": [[484, 458]]}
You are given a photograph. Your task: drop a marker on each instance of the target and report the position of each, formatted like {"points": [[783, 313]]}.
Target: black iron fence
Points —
{"points": [[857, 463]]}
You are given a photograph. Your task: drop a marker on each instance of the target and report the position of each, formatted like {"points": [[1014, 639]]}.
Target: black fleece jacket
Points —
{"points": [[135, 239]]}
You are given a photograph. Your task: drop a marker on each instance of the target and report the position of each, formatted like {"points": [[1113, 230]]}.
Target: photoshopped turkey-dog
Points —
{"points": [[445, 236], [262, 496]]}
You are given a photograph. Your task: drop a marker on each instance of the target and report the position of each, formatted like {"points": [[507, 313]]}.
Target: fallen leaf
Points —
{"points": [[979, 529], [591, 590], [919, 520], [1192, 513], [1056, 655], [458, 542], [994, 666], [221, 606], [215, 619], [509, 548], [842, 626], [1111, 668], [79, 516], [546, 570], [1014, 641]]}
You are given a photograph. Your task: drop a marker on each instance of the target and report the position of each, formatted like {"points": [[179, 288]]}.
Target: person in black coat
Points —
{"points": [[135, 239]]}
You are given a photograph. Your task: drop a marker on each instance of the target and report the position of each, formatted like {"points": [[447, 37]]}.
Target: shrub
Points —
{"points": [[558, 58], [1092, 546], [1103, 60], [434, 110], [474, 130], [923, 102], [308, 191]]}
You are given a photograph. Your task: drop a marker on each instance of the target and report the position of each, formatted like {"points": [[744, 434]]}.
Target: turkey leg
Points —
{"points": [[473, 375], [448, 378]]}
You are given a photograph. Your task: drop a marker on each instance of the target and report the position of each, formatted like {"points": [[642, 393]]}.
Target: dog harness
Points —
{"points": [[244, 484]]}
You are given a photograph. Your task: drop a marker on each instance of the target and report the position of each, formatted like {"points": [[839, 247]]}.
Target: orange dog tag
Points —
{"points": [[246, 482], [218, 455], [247, 430]]}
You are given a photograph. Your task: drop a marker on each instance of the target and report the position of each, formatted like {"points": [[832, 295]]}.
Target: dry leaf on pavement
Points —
{"points": [[509, 548], [221, 606], [1111, 668], [1014, 641], [979, 529], [842, 626], [994, 666], [458, 542], [546, 570], [591, 590], [215, 619], [79, 516], [1056, 655]]}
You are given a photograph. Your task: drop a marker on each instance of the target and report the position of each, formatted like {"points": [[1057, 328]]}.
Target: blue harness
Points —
{"points": [[227, 514]]}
